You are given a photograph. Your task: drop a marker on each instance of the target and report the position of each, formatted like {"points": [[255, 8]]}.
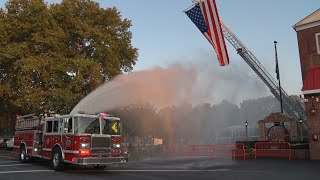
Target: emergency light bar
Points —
{"points": [[104, 114]]}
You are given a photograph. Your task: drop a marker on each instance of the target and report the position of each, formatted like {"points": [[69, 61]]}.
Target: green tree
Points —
{"points": [[52, 56]]}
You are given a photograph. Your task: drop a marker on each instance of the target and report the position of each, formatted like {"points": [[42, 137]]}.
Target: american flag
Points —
{"points": [[205, 16]]}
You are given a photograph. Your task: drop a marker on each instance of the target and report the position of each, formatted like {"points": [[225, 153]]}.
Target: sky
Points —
{"points": [[164, 35]]}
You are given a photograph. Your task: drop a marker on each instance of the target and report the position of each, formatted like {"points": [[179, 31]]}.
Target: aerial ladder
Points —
{"points": [[291, 106]]}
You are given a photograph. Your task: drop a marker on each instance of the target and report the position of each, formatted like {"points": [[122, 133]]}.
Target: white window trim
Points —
{"points": [[317, 42]]}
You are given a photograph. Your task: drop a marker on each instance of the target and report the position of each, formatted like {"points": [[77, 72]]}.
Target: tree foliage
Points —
{"points": [[51, 56], [200, 124]]}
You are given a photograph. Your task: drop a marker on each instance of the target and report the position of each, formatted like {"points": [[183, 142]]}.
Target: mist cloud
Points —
{"points": [[190, 81]]}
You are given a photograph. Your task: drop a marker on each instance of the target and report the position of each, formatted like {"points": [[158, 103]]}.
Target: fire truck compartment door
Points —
{"points": [[67, 134], [68, 142]]}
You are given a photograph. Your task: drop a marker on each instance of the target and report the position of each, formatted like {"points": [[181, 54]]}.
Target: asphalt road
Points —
{"points": [[166, 168]]}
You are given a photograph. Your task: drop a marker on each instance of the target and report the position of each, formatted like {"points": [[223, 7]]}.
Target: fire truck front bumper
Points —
{"points": [[99, 160]]}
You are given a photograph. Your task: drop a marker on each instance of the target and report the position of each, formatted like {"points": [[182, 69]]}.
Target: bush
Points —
{"points": [[249, 144], [299, 145]]}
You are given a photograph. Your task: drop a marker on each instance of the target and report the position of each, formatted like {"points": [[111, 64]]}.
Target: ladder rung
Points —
{"points": [[291, 106]]}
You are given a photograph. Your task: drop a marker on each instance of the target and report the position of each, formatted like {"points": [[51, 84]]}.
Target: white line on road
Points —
{"points": [[140, 170], [24, 171], [7, 165], [3, 162], [168, 170], [7, 157], [129, 170]]}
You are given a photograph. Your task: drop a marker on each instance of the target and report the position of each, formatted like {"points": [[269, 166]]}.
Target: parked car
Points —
{"points": [[3, 143], [9, 143]]}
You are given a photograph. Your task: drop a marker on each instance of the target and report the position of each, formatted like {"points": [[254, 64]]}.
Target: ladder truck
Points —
{"points": [[80, 139]]}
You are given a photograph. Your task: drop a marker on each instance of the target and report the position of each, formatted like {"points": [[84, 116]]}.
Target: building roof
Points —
{"points": [[310, 21], [311, 84]]}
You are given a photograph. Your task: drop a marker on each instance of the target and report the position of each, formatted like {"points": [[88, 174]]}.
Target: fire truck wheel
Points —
{"points": [[56, 159], [99, 167], [23, 155]]}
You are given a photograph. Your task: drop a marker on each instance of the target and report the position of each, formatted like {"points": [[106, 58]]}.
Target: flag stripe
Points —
{"points": [[217, 31], [205, 12], [212, 22], [221, 37], [209, 11], [213, 42], [209, 39], [205, 16]]}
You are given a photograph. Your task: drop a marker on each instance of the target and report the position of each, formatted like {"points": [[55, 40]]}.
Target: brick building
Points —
{"points": [[308, 34]]}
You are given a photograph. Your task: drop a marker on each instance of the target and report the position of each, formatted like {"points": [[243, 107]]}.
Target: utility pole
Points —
{"points": [[247, 135], [278, 75], [301, 130]]}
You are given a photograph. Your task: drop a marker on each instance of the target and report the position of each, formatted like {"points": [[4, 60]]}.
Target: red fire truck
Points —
{"points": [[81, 139]]}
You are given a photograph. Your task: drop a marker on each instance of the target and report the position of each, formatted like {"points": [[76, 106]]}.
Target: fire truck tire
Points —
{"points": [[56, 160], [23, 155]]}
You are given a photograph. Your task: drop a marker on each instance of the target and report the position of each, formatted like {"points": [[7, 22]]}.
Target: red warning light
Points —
{"points": [[313, 109], [103, 114]]}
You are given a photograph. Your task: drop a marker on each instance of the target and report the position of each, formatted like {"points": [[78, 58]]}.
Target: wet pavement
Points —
{"points": [[165, 168]]}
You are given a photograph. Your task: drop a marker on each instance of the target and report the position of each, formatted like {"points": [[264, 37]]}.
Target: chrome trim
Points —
{"points": [[71, 151], [99, 135], [112, 118], [86, 115], [21, 132], [47, 149], [94, 138], [100, 161], [53, 134]]}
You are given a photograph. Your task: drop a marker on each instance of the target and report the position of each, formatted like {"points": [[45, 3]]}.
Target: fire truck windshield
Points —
{"points": [[86, 125], [111, 127]]}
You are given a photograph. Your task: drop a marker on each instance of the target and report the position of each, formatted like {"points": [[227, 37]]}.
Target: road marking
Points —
{"points": [[8, 165], [129, 170], [3, 162], [137, 170], [7, 157], [24, 171], [249, 171], [168, 170]]}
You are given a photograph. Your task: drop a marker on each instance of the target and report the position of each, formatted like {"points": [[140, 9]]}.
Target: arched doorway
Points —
{"points": [[279, 127], [278, 133]]}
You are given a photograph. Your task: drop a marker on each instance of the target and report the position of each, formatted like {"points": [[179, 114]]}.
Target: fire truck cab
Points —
{"points": [[81, 139]]}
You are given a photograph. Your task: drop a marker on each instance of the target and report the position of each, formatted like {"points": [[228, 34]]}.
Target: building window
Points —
{"points": [[318, 42]]}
